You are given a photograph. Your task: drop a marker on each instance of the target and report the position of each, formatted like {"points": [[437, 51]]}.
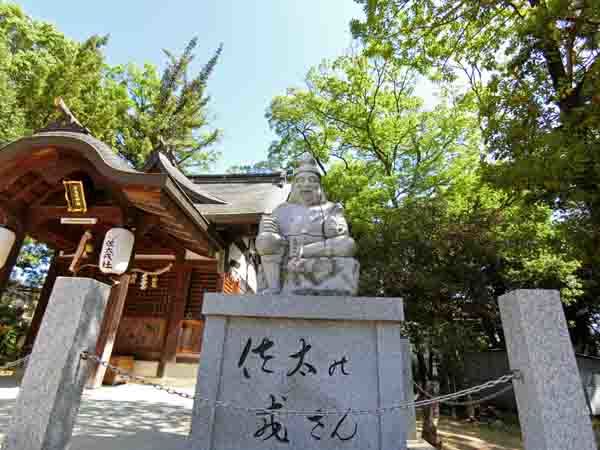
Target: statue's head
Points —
{"points": [[306, 187]]}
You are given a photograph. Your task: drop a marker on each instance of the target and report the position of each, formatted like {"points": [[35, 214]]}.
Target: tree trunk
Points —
{"points": [[431, 416]]}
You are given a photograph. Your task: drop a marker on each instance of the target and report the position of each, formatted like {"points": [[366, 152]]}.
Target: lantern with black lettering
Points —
{"points": [[116, 251], [7, 241]]}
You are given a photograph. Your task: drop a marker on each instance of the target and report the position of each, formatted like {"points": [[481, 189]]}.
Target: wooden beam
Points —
{"points": [[105, 214], [49, 193], [171, 223], [144, 224], [40, 182], [195, 234], [176, 315], [175, 245], [109, 328], [181, 234], [11, 173], [141, 195], [154, 210], [54, 240], [40, 309]]}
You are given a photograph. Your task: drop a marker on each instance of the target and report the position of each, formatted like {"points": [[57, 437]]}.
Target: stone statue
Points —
{"points": [[305, 246]]}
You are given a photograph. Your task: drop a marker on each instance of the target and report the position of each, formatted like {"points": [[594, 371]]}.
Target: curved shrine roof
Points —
{"points": [[219, 198]]}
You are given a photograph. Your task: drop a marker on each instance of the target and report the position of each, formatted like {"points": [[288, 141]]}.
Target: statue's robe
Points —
{"points": [[330, 270]]}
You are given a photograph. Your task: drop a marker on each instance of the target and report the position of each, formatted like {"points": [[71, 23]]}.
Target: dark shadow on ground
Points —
{"points": [[148, 440], [9, 382]]}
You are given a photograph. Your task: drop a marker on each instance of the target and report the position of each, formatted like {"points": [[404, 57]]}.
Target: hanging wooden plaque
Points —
{"points": [[75, 195]]}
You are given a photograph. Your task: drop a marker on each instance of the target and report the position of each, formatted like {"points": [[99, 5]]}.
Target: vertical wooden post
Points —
{"points": [[108, 331], [42, 304], [12, 259], [176, 314]]}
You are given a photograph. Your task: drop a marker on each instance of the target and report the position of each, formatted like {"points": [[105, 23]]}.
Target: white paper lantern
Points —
{"points": [[7, 240], [116, 251]]}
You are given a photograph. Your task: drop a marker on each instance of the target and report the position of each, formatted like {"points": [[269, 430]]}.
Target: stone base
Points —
{"points": [[324, 276], [181, 370], [306, 353]]}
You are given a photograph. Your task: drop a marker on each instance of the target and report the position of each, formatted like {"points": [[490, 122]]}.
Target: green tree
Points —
{"points": [[358, 108], [43, 64], [534, 71], [169, 112], [133, 109], [428, 228], [11, 117]]}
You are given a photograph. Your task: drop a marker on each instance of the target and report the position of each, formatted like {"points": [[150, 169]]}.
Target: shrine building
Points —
{"points": [[66, 189]]}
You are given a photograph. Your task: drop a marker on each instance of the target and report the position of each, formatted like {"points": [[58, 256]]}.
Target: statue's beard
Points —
{"points": [[310, 198], [307, 197]]}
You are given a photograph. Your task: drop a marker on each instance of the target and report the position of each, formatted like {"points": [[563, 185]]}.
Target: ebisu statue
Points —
{"points": [[305, 245]]}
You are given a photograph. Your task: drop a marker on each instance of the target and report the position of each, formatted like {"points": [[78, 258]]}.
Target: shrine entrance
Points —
{"points": [[66, 189]]}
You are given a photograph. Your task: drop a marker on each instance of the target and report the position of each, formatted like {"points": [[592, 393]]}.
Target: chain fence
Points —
{"points": [[478, 401], [291, 412], [17, 363]]}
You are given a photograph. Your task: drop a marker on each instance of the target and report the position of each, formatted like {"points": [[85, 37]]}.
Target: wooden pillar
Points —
{"points": [[42, 304], [12, 259], [176, 314], [108, 331]]}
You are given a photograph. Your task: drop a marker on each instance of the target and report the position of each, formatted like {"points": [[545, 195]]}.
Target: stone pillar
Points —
{"points": [[51, 389], [411, 415], [550, 400]]}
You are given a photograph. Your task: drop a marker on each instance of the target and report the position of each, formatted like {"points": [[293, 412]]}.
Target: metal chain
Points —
{"points": [[128, 376], [16, 363], [377, 412], [471, 402]]}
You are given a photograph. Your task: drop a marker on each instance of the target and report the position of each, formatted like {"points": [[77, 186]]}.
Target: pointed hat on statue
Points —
{"points": [[307, 164]]}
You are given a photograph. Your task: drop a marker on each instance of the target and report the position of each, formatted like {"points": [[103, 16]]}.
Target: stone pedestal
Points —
{"points": [[323, 276], [550, 400], [300, 353], [51, 389]]}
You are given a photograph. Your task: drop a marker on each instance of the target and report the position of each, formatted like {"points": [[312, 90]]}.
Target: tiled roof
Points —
{"points": [[244, 194]]}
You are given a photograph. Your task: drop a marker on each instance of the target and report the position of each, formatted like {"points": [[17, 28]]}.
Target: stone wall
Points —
{"points": [[483, 366]]}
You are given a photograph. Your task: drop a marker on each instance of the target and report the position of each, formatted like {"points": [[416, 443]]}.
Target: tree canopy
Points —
{"points": [[532, 70], [430, 227], [134, 110]]}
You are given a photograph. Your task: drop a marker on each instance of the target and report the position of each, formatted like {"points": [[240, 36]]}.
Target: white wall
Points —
{"points": [[246, 273]]}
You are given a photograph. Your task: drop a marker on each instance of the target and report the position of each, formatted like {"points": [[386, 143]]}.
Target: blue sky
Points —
{"points": [[269, 45]]}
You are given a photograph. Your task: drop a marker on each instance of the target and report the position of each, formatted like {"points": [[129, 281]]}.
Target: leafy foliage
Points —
{"points": [[43, 64], [169, 113], [533, 69], [429, 227], [12, 328], [133, 109]]}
